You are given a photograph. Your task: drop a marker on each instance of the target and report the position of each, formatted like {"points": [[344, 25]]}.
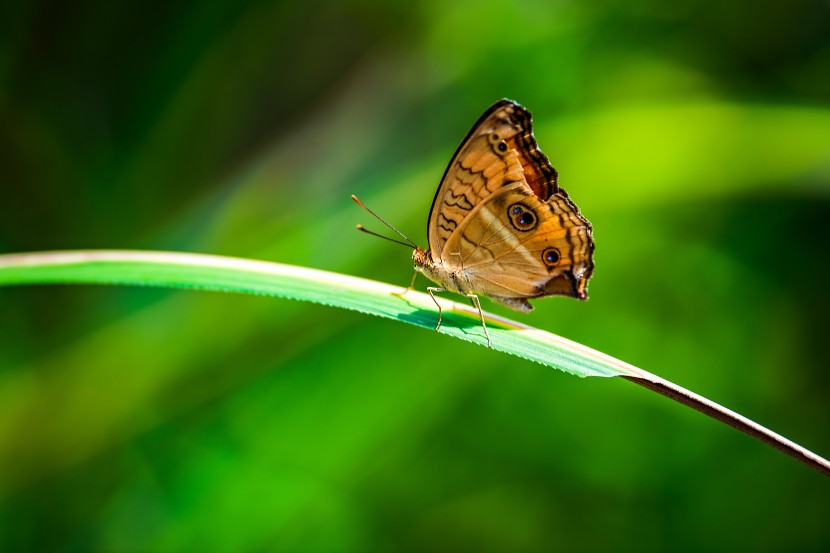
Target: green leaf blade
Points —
{"points": [[227, 274]]}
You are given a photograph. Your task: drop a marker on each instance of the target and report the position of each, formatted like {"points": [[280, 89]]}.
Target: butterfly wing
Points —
{"points": [[514, 247], [498, 150], [501, 223]]}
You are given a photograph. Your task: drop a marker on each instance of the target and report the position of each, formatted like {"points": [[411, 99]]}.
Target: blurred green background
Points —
{"points": [[695, 136]]}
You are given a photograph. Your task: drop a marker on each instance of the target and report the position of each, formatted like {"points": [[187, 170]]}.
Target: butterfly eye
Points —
{"points": [[550, 256], [522, 217]]}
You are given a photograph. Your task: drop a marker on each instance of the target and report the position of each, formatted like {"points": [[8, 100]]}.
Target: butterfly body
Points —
{"points": [[500, 225]]}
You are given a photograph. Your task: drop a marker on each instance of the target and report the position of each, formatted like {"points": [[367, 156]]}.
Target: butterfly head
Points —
{"points": [[419, 258], [422, 259]]}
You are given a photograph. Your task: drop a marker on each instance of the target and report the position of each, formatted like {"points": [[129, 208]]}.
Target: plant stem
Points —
{"points": [[724, 415]]}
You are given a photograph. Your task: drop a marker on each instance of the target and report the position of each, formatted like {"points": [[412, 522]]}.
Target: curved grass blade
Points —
{"points": [[227, 274]]}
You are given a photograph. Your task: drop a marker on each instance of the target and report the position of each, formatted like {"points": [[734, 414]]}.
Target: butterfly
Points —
{"points": [[500, 225]]}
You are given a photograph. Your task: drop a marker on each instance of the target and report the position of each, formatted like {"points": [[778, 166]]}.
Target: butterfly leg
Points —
{"points": [[411, 284], [408, 288], [477, 305], [432, 290]]}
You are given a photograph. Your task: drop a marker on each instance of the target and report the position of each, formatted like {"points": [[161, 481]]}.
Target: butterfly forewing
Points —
{"points": [[480, 166]]}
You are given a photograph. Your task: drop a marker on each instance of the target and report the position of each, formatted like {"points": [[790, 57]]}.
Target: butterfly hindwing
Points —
{"points": [[514, 246]]}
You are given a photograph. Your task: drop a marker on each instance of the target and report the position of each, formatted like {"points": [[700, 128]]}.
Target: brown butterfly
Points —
{"points": [[500, 225]]}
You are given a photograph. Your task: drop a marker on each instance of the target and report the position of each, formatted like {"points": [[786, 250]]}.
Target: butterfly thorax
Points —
{"points": [[454, 281]]}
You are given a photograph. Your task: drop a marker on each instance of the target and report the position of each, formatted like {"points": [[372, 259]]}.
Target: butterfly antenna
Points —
{"points": [[379, 218], [361, 228]]}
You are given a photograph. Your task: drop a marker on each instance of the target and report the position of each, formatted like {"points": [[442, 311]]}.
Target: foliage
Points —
{"points": [[692, 135]]}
